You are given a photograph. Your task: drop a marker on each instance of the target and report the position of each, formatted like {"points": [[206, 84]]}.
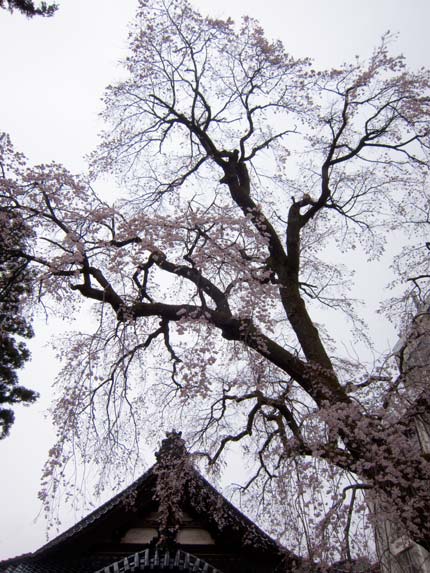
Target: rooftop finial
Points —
{"points": [[173, 446]]}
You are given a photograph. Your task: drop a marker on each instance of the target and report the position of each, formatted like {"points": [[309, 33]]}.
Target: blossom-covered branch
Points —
{"points": [[245, 173]]}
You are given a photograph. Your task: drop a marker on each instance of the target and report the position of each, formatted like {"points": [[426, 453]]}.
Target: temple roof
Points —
{"points": [[193, 528]]}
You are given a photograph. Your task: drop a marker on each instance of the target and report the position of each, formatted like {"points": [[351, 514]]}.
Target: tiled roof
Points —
{"points": [[202, 493], [54, 565]]}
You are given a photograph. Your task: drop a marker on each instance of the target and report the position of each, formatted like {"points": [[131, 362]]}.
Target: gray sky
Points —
{"points": [[53, 73]]}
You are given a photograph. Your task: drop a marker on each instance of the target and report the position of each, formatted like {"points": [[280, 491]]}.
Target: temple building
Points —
{"points": [[170, 519]]}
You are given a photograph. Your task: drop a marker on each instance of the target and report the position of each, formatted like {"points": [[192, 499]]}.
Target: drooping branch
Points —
{"points": [[205, 104]]}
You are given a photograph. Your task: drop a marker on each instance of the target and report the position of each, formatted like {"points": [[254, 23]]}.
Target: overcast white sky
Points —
{"points": [[52, 75]]}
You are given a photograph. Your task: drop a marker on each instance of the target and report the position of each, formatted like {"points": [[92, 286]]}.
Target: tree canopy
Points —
{"points": [[15, 277], [28, 8], [15, 288], [247, 176]]}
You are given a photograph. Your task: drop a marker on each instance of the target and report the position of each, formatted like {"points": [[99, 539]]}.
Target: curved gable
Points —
{"points": [[156, 560]]}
